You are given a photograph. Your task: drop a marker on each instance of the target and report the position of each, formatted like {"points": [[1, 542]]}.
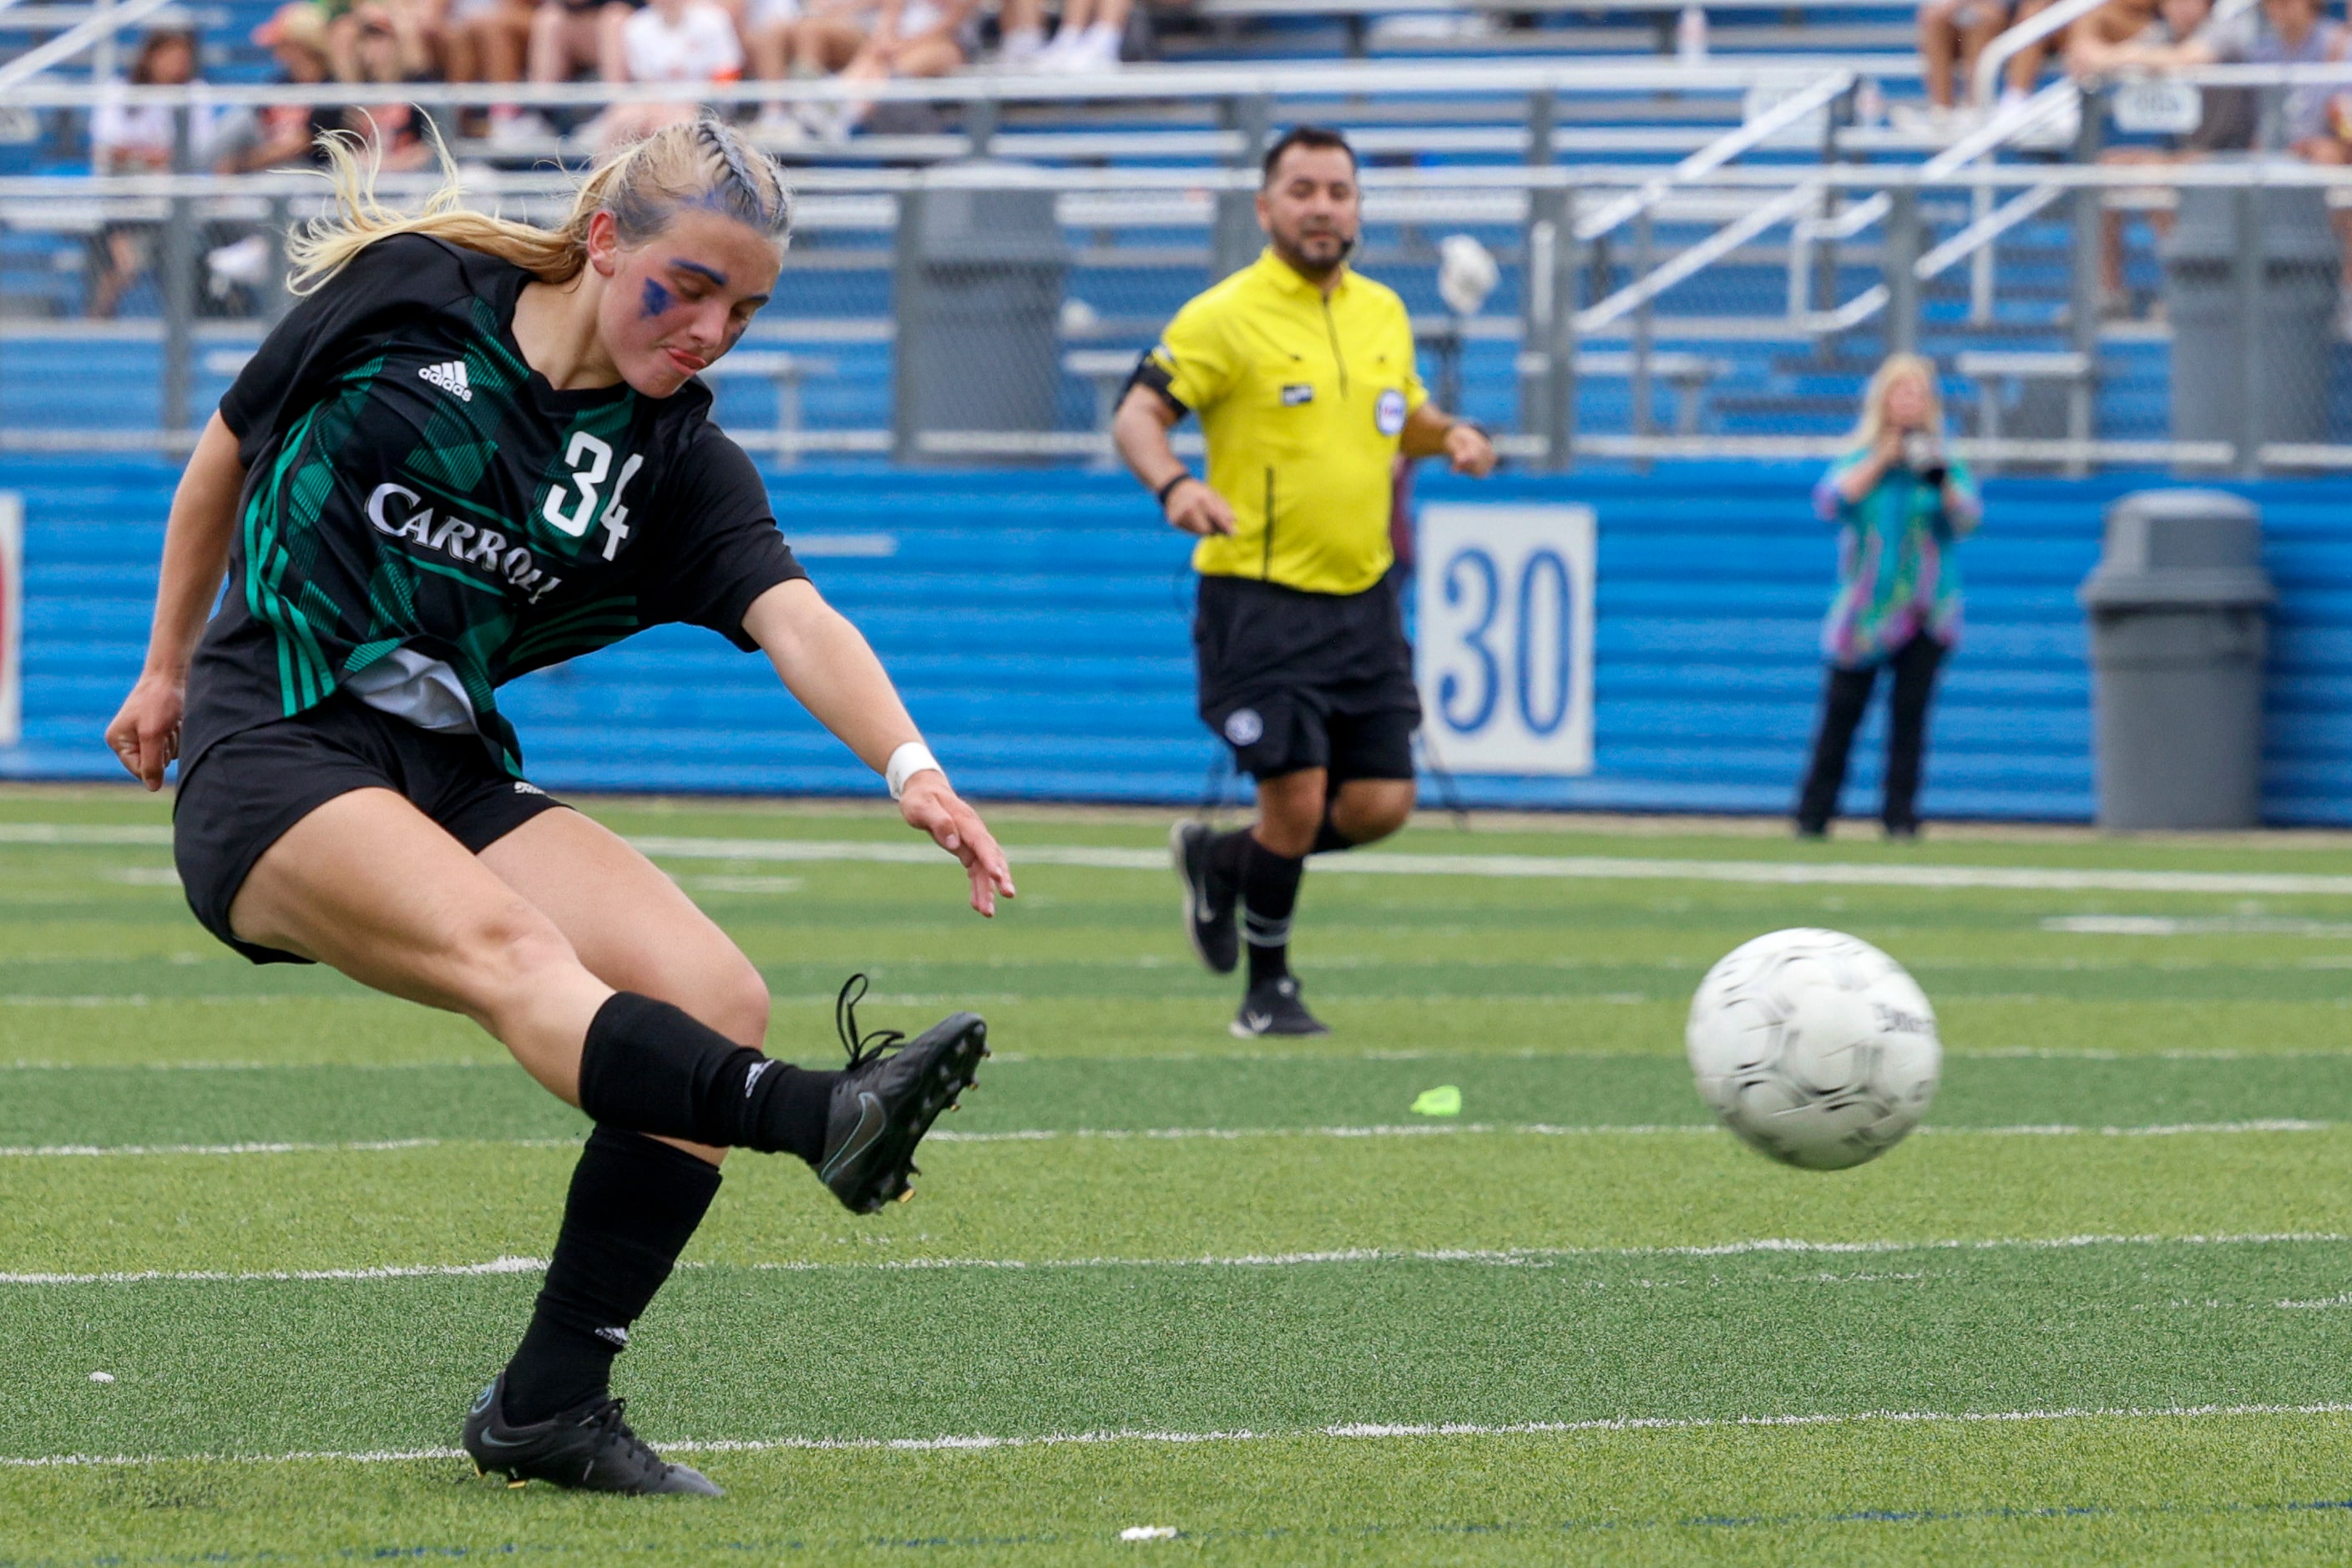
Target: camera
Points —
{"points": [[1924, 457]]}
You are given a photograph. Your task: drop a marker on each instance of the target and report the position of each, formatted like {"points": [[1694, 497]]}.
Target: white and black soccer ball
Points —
{"points": [[1814, 1047]]}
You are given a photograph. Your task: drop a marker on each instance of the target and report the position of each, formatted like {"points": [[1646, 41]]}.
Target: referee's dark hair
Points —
{"points": [[1319, 136]]}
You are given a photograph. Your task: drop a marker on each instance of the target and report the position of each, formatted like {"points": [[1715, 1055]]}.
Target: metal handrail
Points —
{"points": [[2280, 172], [2006, 46], [1715, 154], [1722, 242], [73, 41], [2014, 41], [1290, 82]]}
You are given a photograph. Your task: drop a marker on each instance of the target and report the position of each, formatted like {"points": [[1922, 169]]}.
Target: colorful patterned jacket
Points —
{"points": [[1896, 572]]}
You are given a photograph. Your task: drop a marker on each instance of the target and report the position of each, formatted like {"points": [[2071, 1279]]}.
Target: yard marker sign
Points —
{"points": [[12, 618], [1504, 651]]}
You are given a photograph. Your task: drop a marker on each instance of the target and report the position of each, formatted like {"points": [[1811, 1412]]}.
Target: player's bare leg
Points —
{"points": [[369, 884]]}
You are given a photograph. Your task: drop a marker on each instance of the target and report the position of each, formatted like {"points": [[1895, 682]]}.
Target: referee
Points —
{"points": [[1302, 374]]}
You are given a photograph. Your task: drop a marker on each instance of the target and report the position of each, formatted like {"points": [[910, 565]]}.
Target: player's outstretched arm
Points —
{"points": [[145, 734], [827, 664]]}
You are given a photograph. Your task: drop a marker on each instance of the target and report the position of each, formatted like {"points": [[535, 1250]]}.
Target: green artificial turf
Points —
{"points": [[2099, 1309]]}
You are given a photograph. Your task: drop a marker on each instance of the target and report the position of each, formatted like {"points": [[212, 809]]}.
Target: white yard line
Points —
{"points": [[366, 1146], [1352, 1430], [1500, 1257], [1597, 867], [1184, 1134], [217, 1276], [1594, 868]]}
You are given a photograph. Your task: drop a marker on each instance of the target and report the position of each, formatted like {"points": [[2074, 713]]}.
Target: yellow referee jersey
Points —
{"points": [[1303, 399]]}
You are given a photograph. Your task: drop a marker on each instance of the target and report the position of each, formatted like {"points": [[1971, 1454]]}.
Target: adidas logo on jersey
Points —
{"points": [[450, 378]]}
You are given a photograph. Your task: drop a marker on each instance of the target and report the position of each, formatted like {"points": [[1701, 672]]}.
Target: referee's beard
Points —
{"points": [[1318, 254]]}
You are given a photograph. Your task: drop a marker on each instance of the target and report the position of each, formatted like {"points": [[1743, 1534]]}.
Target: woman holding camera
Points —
{"points": [[1901, 505]]}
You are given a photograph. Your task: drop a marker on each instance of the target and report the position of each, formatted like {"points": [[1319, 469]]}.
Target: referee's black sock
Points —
{"points": [[1227, 853], [633, 1206], [649, 1068], [1269, 892]]}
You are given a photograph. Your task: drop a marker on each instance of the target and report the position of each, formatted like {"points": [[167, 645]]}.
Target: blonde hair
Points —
{"points": [[1882, 382], [696, 162]]}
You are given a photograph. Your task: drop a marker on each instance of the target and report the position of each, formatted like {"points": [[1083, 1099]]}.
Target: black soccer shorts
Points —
{"points": [[248, 788], [1291, 680]]}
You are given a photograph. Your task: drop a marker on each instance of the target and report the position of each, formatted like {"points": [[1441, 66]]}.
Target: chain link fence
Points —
{"points": [[2086, 311]]}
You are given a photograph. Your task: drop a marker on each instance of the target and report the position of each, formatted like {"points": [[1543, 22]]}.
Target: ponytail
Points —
{"points": [[701, 161]]}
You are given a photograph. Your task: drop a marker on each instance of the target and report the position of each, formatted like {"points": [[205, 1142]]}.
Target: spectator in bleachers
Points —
{"points": [[2278, 32], [485, 40], [1901, 503], [389, 41], [2097, 45], [125, 139], [2299, 119], [861, 41], [391, 48], [1086, 38], [682, 41], [1952, 34], [285, 133], [568, 37]]}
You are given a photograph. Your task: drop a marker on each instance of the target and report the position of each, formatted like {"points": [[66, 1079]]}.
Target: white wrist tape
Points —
{"points": [[908, 760]]}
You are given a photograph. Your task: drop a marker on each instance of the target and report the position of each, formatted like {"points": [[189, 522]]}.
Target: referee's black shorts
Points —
{"points": [[248, 788], [1292, 680]]}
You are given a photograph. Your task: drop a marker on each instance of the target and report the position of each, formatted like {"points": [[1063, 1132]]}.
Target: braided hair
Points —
{"points": [[696, 162]]}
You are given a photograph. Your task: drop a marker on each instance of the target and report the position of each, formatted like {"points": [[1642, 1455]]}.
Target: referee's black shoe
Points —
{"points": [[1275, 1008], [883, 1105], [1209, 899], [586, 1449]]}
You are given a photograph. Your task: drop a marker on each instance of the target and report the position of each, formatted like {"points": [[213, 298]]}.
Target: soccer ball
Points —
{"points": [[1814, 1047]]}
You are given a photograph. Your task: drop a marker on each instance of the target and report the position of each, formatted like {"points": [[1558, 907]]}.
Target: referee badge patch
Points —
{"points": [[1244, 727], [1389, 412]]}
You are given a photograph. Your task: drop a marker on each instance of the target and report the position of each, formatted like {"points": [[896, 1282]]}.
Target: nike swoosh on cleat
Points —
{"points": [[872, 1119], [1257, 1023], [487, 1441]]}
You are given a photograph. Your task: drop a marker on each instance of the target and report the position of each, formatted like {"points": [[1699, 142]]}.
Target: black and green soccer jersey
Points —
{"points": [[411, 484]]}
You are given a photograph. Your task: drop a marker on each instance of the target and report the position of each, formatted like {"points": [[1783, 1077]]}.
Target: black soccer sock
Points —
{"points": [[649, 1067], [1329, 837], [1269, 892], [633, 1206]]}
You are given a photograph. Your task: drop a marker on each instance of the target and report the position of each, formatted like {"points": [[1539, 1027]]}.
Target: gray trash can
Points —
{"points": [[2178, 610], [2296, 266], [978, 298]]}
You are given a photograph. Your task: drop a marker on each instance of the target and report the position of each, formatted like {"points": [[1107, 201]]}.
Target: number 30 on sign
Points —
{"points": [[1502, 651]]}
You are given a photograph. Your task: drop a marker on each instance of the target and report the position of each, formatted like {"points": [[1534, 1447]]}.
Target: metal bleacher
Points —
{"points": [[1036, 612]]}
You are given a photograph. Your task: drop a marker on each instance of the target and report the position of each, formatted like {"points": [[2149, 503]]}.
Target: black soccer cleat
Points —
{"points": [[587, 1448], [1209, 904], [883, 1105], [1275, 1008]]}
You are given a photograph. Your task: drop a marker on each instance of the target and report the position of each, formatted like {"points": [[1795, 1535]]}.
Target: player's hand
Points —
{"points": [[1198, 509], [1469, 450], [146, 734], [929, 805]]}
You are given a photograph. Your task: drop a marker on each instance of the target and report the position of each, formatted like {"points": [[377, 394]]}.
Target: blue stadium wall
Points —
{"points": [[1038, 621]]}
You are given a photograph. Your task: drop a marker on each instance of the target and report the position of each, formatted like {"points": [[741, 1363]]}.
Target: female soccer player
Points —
{"points": [[477, 448]]}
